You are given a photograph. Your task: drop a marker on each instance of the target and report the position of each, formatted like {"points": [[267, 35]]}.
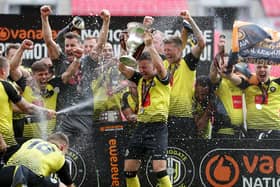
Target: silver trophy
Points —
{"points": [[78, 23], [134, 41]]}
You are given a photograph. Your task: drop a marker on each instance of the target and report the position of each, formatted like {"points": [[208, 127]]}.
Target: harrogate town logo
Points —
{"points": [[77, 167], [180, 168]]}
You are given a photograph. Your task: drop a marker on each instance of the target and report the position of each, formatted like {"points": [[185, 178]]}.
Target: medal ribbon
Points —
{"points": [[145, 90], [264, 91], [172, 71]]}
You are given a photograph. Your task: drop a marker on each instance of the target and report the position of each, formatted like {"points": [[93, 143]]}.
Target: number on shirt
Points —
{"points": [[41, 146]]}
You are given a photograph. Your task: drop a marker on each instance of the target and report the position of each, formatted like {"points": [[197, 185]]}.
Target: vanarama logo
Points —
{"points": [[222, 171], [180, 168], [241, 168], [12, 34], [114, 162], [4, 33], [77, 166]]}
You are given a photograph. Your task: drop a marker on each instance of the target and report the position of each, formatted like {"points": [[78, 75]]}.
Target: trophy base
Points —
{"points": [[128, 61]]}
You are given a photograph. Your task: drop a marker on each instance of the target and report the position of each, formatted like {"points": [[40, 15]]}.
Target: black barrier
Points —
{"points": [[109, 142], [193, 162], [97, 159], [220, 163], [81, 159]]}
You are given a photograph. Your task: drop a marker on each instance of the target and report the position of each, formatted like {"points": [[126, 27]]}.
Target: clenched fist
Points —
{"points": [[105, 15], [45, 10], [27, 44]]}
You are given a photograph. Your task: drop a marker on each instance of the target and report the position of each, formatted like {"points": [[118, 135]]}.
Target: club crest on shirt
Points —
{"points": [[272, 89]]}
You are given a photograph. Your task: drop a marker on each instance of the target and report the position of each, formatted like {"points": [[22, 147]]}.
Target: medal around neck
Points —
{"points": [[258, 106]]}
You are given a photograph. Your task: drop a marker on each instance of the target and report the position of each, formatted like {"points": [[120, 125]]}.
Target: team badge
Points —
{"points": [[272, 89], [180, 168], [77, 166]]}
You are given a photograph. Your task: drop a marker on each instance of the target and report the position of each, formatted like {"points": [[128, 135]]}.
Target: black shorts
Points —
{"points": [[148, 139], [23, 175]]}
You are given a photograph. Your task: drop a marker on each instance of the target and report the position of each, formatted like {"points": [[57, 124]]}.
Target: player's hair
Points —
{"points": [[3, 62], [72, 35], [91, 38], [203, 81], [59, 137], [145, 56], [39, 66], [173, 40]]}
